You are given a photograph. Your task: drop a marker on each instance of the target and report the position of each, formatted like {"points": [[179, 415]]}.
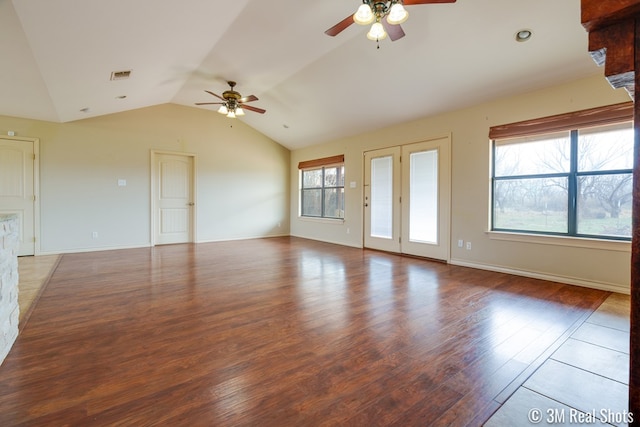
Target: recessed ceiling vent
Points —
{"points": [[120, 75]]}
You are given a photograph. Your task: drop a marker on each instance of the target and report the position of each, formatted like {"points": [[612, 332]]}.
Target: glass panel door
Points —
{"points": [[381, 199], [426, 187], [407, 193]]}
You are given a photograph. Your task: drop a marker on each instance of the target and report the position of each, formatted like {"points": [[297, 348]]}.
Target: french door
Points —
{"points": [[407, 199]]}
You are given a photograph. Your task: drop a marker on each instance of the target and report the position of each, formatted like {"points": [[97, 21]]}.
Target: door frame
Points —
{"points": [[153, 155], [447, 177], [36, 187]]}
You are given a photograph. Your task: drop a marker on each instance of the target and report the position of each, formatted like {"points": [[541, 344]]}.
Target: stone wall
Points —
{"points": [[9, 309]]}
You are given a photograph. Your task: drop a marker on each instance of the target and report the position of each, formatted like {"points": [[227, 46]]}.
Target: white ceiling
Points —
{"points": [[57, 57]]}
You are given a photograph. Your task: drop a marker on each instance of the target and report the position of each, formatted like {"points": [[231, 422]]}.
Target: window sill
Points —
{"points": [[335, 221], [575, 242]]}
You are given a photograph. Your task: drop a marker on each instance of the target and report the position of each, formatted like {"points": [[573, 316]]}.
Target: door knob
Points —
{"points": [[190, 204]]}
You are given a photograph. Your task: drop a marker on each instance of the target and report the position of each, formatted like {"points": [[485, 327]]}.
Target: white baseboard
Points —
{"points": [[233, 239], [93, 249], [327, 241], [603, 286]]}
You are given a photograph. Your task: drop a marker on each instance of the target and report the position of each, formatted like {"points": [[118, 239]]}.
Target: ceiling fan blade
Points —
{"points": [[254, 109], [340, 26], [209, 103], [412, 2], [395, 31], [249, 98], [217, 96]]}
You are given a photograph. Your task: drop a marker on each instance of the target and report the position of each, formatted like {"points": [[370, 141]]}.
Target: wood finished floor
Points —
{"points": [[280, 331]]}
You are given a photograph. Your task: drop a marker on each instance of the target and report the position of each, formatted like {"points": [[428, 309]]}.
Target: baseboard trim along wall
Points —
{"points": [[603, 286]]}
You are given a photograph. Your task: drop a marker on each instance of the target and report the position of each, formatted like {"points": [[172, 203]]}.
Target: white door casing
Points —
{"points": [[173, 202], [19, 188]]}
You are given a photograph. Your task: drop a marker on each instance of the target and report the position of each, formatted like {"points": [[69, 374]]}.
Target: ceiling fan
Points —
{"points": [[386, 17], [233, 104]]}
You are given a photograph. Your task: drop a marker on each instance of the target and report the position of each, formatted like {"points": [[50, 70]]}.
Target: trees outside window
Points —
{"points": [[322, 192], [575, 182]]}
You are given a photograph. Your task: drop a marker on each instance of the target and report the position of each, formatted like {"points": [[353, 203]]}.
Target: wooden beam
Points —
{"points": [[613, 47], [614, 34], [599, 13]]}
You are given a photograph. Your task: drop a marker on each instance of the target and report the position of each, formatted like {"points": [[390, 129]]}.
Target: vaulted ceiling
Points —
{"points": [[58, 55]]}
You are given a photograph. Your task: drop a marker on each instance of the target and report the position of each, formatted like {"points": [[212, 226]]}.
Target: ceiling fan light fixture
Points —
{"points": [[377, 32], [223, 109], [239, 111], [231, 114], [397, 14], [364, 15]]}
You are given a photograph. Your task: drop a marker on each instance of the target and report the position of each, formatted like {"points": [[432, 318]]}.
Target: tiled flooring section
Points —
{"points": [[33, 273], [586, 379]]}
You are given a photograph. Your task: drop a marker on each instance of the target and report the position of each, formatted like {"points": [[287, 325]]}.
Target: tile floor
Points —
{"points": [[585, 381], [33, 273]]}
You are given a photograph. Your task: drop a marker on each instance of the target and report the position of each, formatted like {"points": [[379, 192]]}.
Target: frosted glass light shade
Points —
{"points": [[364, 15], [223, 109], [239, 111], [377, 32], [397, 15], [231, 114]]}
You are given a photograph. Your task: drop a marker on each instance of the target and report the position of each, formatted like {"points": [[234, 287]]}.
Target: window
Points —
{"points": [[322, 188], [573, 182]]}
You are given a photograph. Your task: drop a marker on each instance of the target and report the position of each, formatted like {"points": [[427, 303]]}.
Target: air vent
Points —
{"points": [[120, 75]]}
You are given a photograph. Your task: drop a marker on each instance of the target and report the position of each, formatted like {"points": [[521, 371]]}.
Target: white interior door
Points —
{"points": [[382, 199], [174, 203], [426, 189], [18, 187], [407, 196]]}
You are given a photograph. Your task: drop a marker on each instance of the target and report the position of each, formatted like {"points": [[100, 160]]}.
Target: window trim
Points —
{"points": [[572, 123]]}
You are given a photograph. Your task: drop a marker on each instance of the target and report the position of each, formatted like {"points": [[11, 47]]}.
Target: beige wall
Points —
{"points": [[242, 176], [596, 267]]}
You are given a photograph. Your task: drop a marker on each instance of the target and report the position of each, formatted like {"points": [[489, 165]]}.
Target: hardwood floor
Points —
{"points": [[280, 331]]}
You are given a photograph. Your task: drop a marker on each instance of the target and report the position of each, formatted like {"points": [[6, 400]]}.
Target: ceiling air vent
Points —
{"points": [[120, 75]]}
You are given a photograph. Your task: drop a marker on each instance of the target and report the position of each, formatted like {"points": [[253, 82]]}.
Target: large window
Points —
{"points": [[575, 182], [322, 188]]}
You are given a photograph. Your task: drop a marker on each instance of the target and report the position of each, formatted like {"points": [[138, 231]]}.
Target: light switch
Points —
{"points": [[122, 183], [352, 184]]}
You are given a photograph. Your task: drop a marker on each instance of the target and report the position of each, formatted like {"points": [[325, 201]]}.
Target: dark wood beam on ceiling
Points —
{"points": [[614, 40]]}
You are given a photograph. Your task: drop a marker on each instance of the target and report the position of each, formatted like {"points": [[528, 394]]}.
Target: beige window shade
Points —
{"points": [[562, 122], [321, 162]]}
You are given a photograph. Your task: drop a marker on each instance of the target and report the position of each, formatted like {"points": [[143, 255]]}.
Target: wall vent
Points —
{"points": [[120, 75]]}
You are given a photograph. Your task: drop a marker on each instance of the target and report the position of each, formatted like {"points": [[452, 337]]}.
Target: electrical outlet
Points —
{"points": [[94, 235], [461, 243], [468, 246]]}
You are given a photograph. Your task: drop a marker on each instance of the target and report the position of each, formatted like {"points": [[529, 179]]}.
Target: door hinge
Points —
{"points": [[400, 199], [399, 239], [34, 240], [34, 197]]}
